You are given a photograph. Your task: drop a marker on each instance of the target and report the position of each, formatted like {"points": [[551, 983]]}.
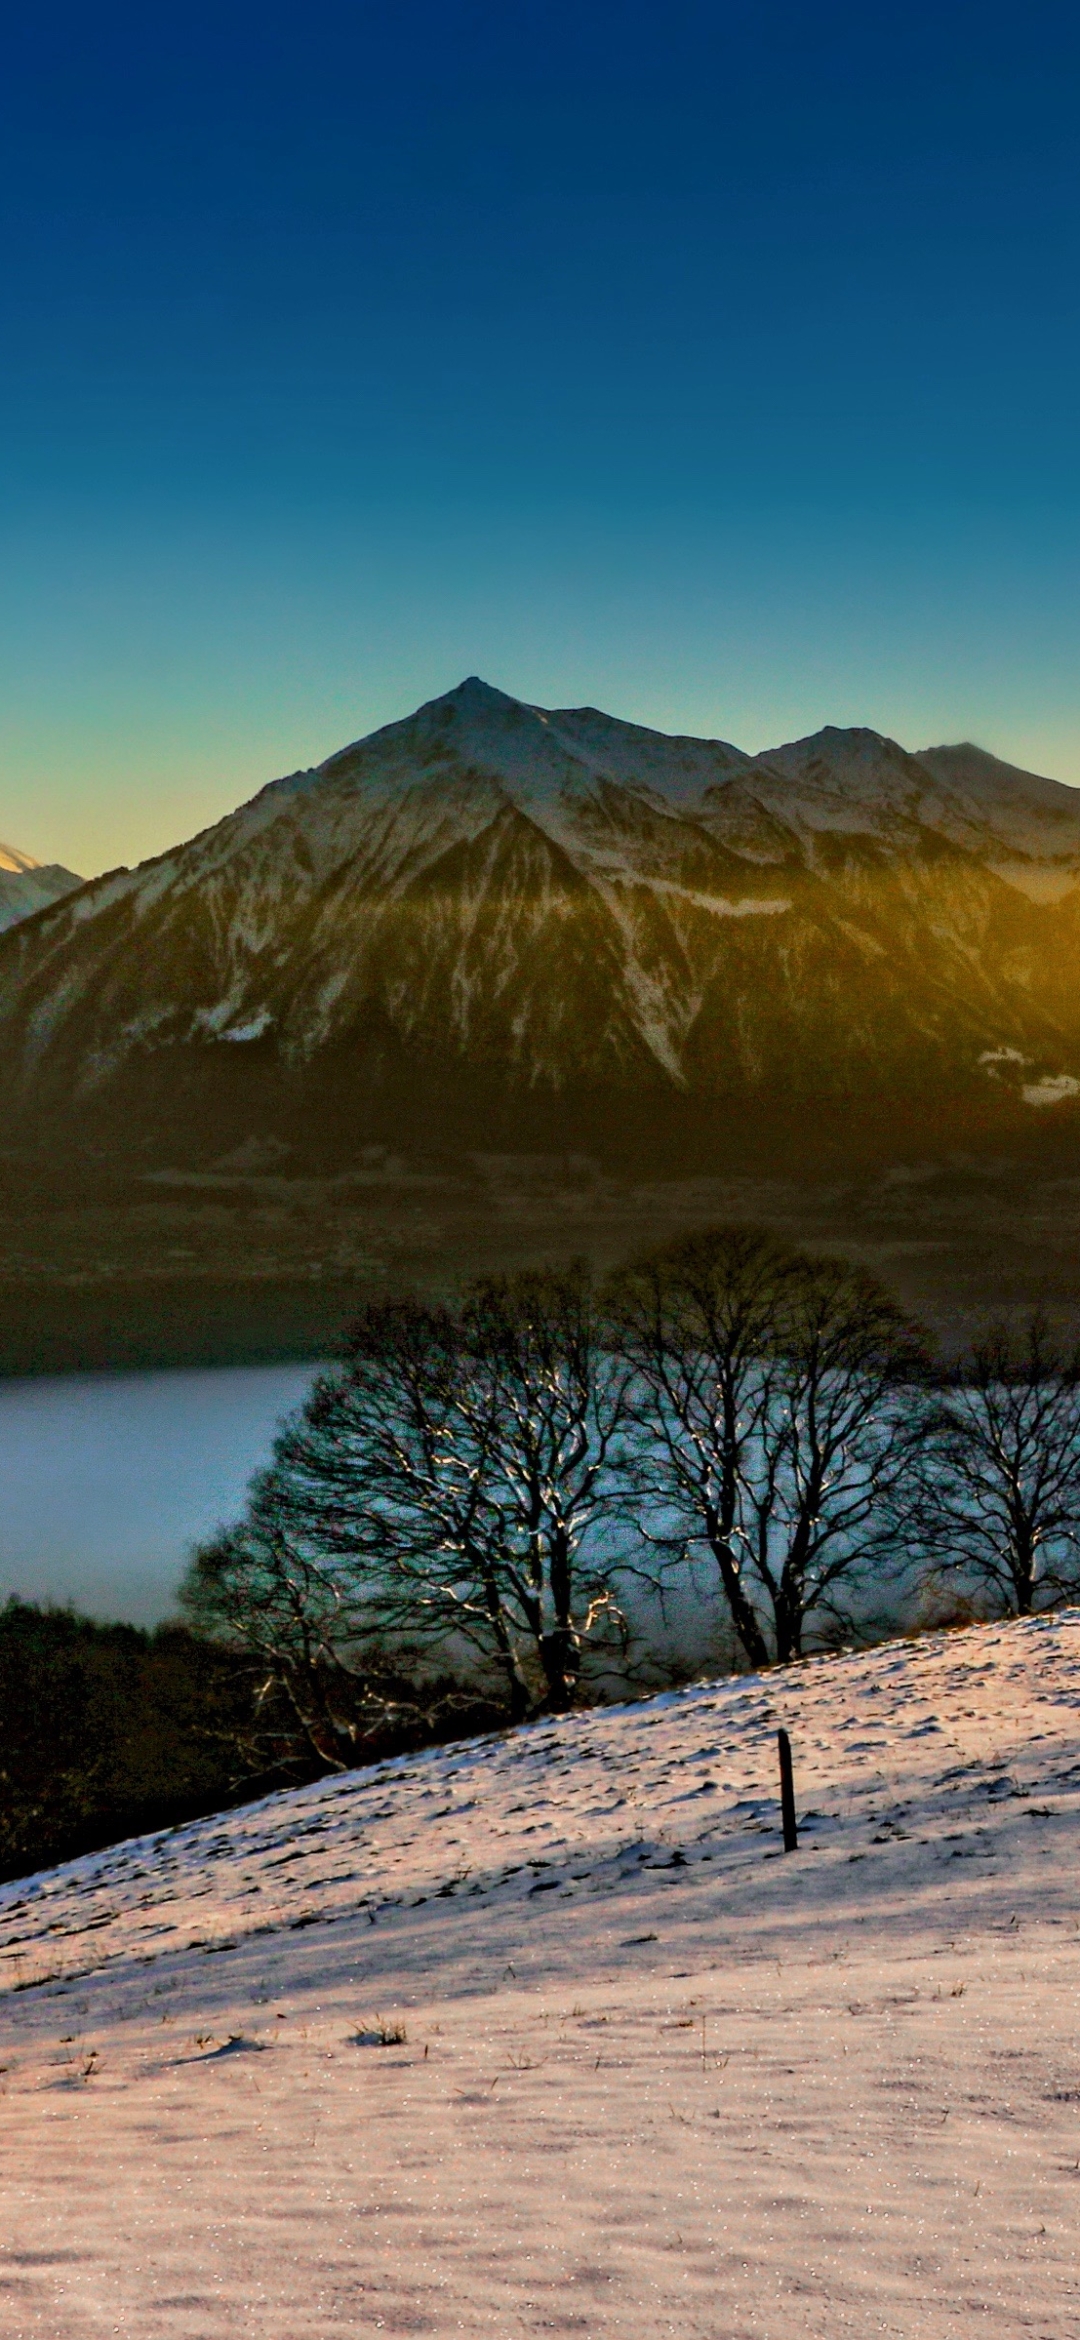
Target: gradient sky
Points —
{"points": [[714, 363]]}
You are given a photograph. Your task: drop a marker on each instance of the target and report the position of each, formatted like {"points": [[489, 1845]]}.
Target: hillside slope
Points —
{"points": [[542, 2033]]}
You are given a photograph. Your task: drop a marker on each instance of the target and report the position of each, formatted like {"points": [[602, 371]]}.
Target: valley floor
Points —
{"points": [[544, 2034], [245, 1267]]}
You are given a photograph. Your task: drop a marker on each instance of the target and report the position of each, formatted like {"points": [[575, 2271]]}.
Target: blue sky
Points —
{"points": [[717, 364]]}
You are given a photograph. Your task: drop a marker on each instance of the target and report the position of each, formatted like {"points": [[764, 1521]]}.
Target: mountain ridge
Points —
{"points": [[27, 886], [507, 916]]}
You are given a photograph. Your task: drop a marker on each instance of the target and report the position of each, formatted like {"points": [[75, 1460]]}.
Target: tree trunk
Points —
{"points": [[559, 1649], [517, 1687], [788, 1632], [559, 1658], [743, 1618]]}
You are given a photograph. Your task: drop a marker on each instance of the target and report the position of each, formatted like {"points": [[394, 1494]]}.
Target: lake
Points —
{"points": [[106, 1480]]}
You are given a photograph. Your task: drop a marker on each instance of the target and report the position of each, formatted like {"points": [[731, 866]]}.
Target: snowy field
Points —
{"points": [[653, 2077]]}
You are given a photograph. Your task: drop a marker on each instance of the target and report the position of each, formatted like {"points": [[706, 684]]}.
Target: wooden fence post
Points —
{"points": [[787, 1794]]}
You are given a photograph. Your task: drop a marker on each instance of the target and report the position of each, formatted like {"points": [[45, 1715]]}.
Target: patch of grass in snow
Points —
{"points": [[380, 2035]]}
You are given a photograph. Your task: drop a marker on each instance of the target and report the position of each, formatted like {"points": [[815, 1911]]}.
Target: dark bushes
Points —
{"points": [[107, 1731]]}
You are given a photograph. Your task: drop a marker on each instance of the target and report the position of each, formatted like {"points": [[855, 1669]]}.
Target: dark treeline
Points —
{"points": [[526, 1474], [107, 1731]]}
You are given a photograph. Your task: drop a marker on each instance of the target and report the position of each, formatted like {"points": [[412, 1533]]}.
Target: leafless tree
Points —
{"points": [[315, 1641], [695, 1321], [771, 1418], [998, 1483], [447, 1484], [839, 1413], [551, 1401], [386, 1476], [368, 1532]]}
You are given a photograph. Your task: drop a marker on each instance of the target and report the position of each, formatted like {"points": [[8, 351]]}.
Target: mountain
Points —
{"points": [[498, 924], [27, 885]]}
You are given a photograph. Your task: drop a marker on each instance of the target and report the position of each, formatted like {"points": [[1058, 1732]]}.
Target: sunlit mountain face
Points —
{"points": [[494, 923], [27, 886]]}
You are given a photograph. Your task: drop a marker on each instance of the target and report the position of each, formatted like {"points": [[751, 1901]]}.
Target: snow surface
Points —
{"points": [[1050, 1091], [655, 2077]]}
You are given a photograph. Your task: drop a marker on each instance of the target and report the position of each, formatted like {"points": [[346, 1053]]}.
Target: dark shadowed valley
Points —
{"points": [[221, 1267]]}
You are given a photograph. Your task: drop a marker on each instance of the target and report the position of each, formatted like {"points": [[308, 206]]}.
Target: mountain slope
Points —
{"points": [[27, 885], [1033, 819], [495, 917]]}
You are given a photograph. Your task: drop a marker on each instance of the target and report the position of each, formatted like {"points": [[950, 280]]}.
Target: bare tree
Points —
{"points": [[840, 1403], [772, 1421], [368, 1534], [386, 1475], [316, 1641], [695, 1321], [998, 1483], [448, 1483], [552, 1399]]}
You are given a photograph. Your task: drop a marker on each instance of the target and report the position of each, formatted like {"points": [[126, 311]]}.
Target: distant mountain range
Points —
{"points": [[27, 885], [498, 925]]}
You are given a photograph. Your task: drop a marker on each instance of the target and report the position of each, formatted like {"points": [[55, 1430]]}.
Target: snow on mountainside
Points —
{"points": [[1013, 821], [1034, 819], [545, 902], [27, 885]]}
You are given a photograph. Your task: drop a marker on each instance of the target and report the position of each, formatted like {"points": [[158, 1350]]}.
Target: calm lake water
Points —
{"points": [[107, 1479]]}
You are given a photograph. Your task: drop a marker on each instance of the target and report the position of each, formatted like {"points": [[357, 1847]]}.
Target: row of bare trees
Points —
{"points": [[500, 1474]]}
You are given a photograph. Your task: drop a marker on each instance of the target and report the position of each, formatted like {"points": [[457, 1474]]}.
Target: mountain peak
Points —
{"points": [[474, 700], [841, 748], [17, 863], [473, 736], [27, 885], [975, 768], [475, 692]]}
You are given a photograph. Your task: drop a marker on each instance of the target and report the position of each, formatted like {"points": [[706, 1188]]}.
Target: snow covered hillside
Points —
{"points": [[27, 885], [492, 901], [544, 2033]]}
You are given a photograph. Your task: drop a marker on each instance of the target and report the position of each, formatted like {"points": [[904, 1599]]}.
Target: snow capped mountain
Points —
{"points": [[1034, 821], [490, 913], [852, 781], [27, 885]]}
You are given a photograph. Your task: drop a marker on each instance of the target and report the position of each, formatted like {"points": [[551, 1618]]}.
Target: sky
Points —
{"points": [[712, 363]]}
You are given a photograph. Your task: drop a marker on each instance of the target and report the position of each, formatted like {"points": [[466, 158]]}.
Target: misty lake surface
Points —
{"points": [[106, 1480]]}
